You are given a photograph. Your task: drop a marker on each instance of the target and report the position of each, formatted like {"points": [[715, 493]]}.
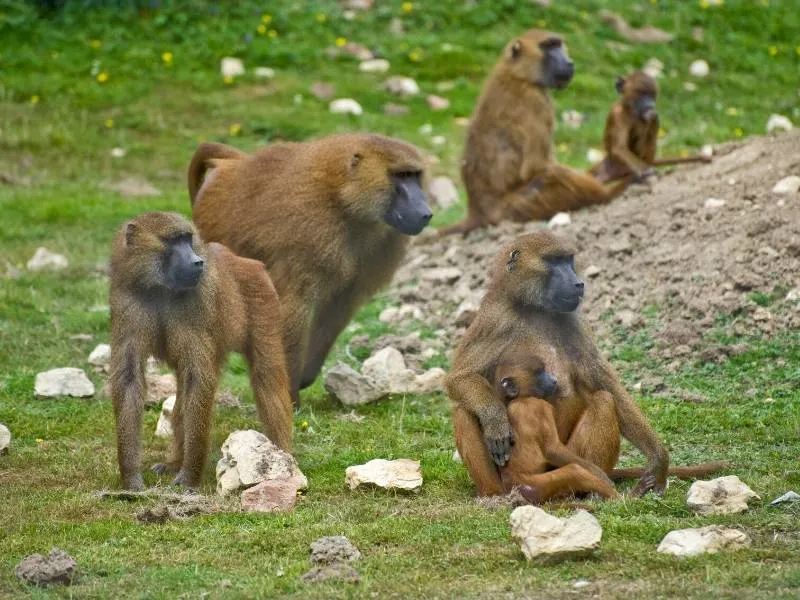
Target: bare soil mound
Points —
{"points": [[664, 256]]}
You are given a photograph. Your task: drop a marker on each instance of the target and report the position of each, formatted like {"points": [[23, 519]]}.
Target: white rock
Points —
{"points": [[438, 140], [346, 106], [703, 540], [437, 102], [543, 537], [164, 425], [654, 68], [100, 356], [443, 192], [572, 118], [118, 152], [593, 155], [581, 583], [790, 496], [787, 185], [699, 68], [401, 474], [456, 457], [778, 123], [793, 295], [559, 220], [446, 275], [374, 65], [231, 67], [5, 439], [350, 387], [719, 496], [249, 457], [401, 86], [264, 72], [714, 203], [690, 86], [44, 259], [394, 314], [429, 382], [707, 150], [592, 271], [66, 381], [387, 368]]}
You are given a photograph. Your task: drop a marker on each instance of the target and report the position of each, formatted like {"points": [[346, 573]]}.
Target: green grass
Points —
{"points": [[433, 544]]}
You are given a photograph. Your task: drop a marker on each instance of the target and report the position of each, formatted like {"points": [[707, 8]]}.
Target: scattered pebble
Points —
{"points": [[160, 387], [714, 203], [592, 271], [100, 357], [43, 260], [581, 583], [346, 106], [443, 192], [332, 549], [437, 102], [394, 315], [546, 538], [787, 185], [778, 123], [593, 155], [441, 275], [719, 496], [699, 68], [164, 425], [57, 568], [401, 86], [350, 387], [66, 381], [118, 152], [790, 497], [401, 474], [703, 540], [231, 67], [707, 150], [5, 439], [374, 65], [276, 495], [561, 219]]}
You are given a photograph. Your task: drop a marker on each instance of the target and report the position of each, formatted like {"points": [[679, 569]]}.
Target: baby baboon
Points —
{"points": [[508, 169], [330, 218], [631, 133], [189, 304]]}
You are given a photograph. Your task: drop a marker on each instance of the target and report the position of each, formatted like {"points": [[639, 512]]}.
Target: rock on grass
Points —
{"points": [[58, 567], [401, 474], [546, 538], [703, 540], [66, 381]]}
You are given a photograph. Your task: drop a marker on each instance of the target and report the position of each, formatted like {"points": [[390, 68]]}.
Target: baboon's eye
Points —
{"points": [[514, 254]]}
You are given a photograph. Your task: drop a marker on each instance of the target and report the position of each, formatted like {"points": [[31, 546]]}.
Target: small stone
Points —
{"points": [[277, 495], [401, 86], [66, 381], [761, 314], [581, 583], [592, 271], [346, 106], [335, 572], [707, 151], [374, 65], [787, 185], [703, 540], [133, 187], [43, 260], [118, 152], [690, 86], [768, 251], [264, 72], [429, 382], [333, 549], [443, 192], [443, 275], [699, 68], [714, 203], [58, 567], [160, 387], [627, 318], [395, 110], [231, 67], [546, 538], [100, 356], [394, 315], [387, 368], [248, 458], [778, 123], [322, 91], [790, 496], [572, 119], [593, 155], [350, 387], [228, 399], [401, 474], [654, 68], [793, 295], [437, 102], [164, 425], [5, 439], [561, 219], [719, 496]]}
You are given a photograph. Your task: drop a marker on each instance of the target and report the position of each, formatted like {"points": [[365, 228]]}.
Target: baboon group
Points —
{"points": [[288, 242]]}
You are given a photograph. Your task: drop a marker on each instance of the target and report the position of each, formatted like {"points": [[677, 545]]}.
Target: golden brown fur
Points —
{"points": [[508, 169], [233, 307], [312, 213]]}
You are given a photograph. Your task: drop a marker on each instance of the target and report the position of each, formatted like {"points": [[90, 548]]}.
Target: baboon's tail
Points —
{"points": [[199, 165], [701, 470]]}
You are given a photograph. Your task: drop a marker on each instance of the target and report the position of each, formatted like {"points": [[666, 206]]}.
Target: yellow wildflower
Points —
{"points": [[304, 425], [738, 132], [109, 123], [541, 23], [408, 7], [102, 77], [732, 111], [261, 29], [34, 99], [39, 441], [563, 148], [266, 19], [235, 129], [662, 132], [95, 44], [228, 79], [415, 55], [167, 58], [272, 34], [321, 17], [341, 42], [773, 50]]}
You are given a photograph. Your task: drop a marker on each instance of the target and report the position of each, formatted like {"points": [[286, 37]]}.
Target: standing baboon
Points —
{"points": [[508, 169], [330, 218], [631, 133], [189, 304]]}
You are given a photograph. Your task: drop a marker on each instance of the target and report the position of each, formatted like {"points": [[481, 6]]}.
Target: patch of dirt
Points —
{"points": [[659, 247]]}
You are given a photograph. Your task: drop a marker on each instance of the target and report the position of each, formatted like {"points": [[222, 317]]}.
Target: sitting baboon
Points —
{"points": [[189, 304]]}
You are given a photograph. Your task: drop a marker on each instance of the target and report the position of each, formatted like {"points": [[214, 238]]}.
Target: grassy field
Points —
{"points": [[77, 83]]}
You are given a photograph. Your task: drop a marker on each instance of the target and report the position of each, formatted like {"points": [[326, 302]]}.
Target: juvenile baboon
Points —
{"points": [[508, 169], [189, 304], [531, 304], [631, 133], [330, 218]]}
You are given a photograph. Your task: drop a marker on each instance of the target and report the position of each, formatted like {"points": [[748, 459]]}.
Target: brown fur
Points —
{"points": [[630, 142], [591, 408], [508, 169], [234, 307], [312, 213]]}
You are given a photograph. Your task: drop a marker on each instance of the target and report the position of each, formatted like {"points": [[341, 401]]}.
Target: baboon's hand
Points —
{"points": [[499, 438], [650, 482], [642, 176]]}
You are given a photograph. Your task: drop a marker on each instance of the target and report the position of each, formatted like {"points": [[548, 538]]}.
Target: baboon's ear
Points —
{"points": [[516, 50], [130, 230], [619, 84]]}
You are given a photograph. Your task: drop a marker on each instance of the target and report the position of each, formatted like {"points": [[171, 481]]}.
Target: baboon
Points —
{"points": [[631, 133], [330, 218], [189, 304], [508, 168], [532, 299]]}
